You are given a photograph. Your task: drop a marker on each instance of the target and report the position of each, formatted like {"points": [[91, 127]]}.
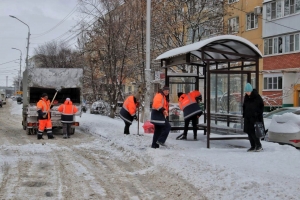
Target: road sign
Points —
{"points": [[19, 92]]}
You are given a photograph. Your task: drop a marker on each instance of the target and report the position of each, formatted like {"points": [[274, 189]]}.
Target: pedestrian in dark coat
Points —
{"points": [[253, 108]]}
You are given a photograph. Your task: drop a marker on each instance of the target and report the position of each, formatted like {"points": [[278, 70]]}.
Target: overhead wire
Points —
{"points": [[64, 19], [9, 62], [72, 29]]}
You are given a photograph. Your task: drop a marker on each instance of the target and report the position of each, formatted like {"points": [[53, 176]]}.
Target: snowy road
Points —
{"points": [[82, 167]]}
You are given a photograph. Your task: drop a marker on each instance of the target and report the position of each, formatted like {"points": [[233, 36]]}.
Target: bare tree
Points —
{"points": [[56, 55], [113, 46]]}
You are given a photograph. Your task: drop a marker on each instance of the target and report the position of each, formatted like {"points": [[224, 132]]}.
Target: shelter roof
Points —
{"points": [[219, 47]]}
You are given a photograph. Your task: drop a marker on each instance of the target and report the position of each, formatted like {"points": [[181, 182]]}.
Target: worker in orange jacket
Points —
{"points": [[188, 103], [68, 111], [127, 112], [44, 117], [159, 114]]}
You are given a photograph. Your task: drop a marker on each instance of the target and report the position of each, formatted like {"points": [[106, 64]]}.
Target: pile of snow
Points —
{"points": [[280, 123]]}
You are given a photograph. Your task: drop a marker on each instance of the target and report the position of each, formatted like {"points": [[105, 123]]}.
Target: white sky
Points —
{"points": [[41, 16], [225, 171]]}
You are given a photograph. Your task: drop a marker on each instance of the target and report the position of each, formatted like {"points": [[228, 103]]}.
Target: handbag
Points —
{"points": [[259, 129]]}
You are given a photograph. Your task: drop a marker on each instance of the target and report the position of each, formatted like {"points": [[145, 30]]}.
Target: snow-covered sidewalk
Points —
{"points": [[225, 171]]}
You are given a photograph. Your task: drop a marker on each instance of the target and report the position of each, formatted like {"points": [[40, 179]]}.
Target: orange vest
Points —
{"points": [[67, 111], [129, 105], [44, 106], [160, 101]]}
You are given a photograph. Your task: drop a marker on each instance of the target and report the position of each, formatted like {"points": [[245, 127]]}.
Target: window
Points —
{"points": [[233, 25], [129, 88], [289, 7], [252, 21], [273, 83], [179, 88], [268, 46], [282, 44], [232, 1], [289, 43], [273, 10], [297, 42]]}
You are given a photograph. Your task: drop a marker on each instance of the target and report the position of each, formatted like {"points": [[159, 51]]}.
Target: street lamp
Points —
{"points": [[20, 67], [27, 38]]}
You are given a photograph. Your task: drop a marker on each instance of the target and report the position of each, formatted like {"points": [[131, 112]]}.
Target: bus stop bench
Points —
{"points": [[226, 118], [230, 132]]}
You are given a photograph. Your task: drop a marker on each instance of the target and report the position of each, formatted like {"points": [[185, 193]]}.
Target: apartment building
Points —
{"points": [[244, 18], [281, 61]]}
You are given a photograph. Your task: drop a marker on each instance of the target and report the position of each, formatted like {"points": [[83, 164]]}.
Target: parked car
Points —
{"points": [[98, 107], [268, 117], [283, 126], [19, 100]]}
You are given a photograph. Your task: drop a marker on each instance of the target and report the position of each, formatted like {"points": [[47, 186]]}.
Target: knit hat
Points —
{"points": [[248, 87], [68, 99], [44, 94], [165, 88]]}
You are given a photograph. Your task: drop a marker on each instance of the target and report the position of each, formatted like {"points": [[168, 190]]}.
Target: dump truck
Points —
{"points": [[64, 82]]}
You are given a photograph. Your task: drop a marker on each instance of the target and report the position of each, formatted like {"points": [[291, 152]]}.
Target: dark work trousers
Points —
{"points": [[126, 129], [66, 128], [161, 133], [194, 120], [254, 141]]}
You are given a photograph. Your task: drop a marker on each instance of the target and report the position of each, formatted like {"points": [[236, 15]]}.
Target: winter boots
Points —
{"points": [[258, 149], [50, 136], [251, 149], [65, 136], [40, 137], [195, 136], [255, 149]]}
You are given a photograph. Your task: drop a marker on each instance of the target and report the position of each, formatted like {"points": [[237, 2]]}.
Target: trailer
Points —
{"points": [[47, 80]]}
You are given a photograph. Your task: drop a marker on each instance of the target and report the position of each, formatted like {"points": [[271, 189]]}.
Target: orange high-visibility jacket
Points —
{"points": [[67, 111], [188, 103], [160, 101], [159, 104], [44, 106], [188, 99], [128, 109], [129, 105]]}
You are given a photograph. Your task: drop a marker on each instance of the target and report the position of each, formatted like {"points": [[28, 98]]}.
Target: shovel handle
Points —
{"points": [[51, 103]]}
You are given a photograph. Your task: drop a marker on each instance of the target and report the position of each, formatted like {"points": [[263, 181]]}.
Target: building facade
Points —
{"points": [[244, 18], [281, 31]]}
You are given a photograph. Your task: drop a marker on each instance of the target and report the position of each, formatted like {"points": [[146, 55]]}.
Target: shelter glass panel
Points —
{"points": [[227, 94], [178, 84]]}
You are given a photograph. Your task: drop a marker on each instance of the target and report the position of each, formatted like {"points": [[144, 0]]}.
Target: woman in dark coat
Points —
{"points": [[253, 107]]}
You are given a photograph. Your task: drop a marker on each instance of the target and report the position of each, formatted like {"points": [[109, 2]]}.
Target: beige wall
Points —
{"points": [[240, 9]]}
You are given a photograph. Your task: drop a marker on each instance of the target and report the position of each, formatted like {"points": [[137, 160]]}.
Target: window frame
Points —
{"points": [[237, 26], [232, 1], [273, 82], [255, 21]]}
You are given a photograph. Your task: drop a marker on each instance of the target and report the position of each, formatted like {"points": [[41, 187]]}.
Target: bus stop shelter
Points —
{"points": [[219, 67]]}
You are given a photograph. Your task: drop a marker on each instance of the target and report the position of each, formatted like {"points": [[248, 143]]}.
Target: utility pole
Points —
{"points": [[148, 62]]}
